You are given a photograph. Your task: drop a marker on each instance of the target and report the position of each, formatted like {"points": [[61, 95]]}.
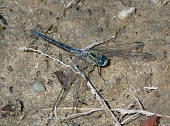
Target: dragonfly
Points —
{"points": [[98, 56], [93, 56]]}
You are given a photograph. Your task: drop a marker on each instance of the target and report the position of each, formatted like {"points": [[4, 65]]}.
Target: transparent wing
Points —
{"points": [[128, 51], [69, 80], [120, 49]]}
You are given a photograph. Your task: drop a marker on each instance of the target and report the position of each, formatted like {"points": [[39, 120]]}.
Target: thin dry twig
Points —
{"points": [[123, 122], [151, 88], [139, 102], [99, 42], [40, 52], [54, 111], [122, 111], [80, 114], [141, 107], [71, 3], [127, 108]]}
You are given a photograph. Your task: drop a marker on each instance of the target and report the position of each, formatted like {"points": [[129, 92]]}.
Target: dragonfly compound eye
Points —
{"points": [[102, 61]]}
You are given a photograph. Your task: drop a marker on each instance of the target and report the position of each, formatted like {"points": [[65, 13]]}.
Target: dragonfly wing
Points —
{"points": [[67, 81], [80, 85], [128, 51], [139, 56], [118, 50], [71, 79]]}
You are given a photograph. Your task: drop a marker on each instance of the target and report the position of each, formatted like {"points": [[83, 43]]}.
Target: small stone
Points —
{"points": [[9, 68], [150, 121], [126, 13], [32, 111], [38, 87]]}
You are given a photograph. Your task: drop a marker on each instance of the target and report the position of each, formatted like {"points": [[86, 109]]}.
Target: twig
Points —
{"points": [[54, 111], [129, 106], [151, 88], [139, 102], [123, 122], [99, 42], [71, 3], [40, 52], [80, 114], [141, 107], [122, 111]]}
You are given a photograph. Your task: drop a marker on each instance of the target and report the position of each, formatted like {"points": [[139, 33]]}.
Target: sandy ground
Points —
{"points": [[81, 25]]}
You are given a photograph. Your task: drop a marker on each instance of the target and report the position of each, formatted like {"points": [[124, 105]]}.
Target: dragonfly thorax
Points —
{"points": [[95, 58]]}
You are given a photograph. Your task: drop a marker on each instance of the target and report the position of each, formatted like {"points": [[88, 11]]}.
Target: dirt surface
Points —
{"points": [[80, 25]]}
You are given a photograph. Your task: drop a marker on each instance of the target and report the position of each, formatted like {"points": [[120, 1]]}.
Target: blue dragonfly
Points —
{"points": [[98, 56], [101, 59], [92, 57]]}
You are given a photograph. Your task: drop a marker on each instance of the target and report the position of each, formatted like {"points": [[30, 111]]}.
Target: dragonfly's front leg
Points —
{"points": [[91, 68]]}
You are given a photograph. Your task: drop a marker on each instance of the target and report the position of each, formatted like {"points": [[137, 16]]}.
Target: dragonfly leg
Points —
{"points": [[90, 70], [100, 73]]}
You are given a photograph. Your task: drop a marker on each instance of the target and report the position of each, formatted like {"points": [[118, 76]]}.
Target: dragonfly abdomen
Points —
{"points": [[56, 43]]}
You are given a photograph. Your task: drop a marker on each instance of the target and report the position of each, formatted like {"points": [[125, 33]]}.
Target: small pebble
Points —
{"points": [[9, 68], [32, 111], [38, 87], [150, 121], [11, 89], [126, 13]]}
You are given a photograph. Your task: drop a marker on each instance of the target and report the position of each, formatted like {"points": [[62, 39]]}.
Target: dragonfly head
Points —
{"points": [[102, 61]]}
